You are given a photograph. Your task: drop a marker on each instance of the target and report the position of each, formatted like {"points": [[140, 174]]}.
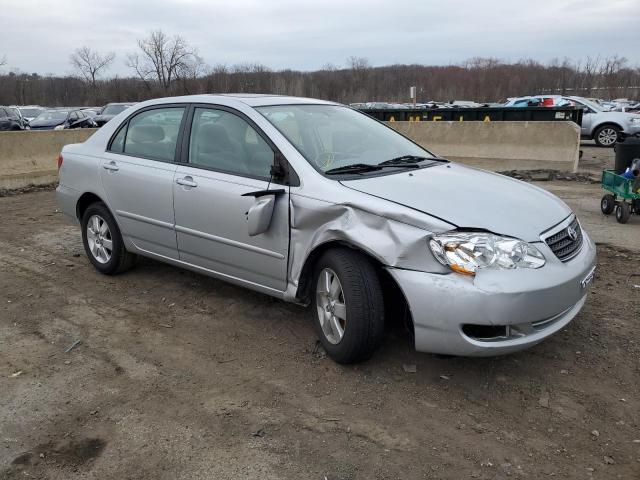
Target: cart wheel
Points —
{"points": [[622, 212], [607, 204]]}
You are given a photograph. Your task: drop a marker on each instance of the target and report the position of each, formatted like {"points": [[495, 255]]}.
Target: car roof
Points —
{"points": [[261, 100], [237, 99]]}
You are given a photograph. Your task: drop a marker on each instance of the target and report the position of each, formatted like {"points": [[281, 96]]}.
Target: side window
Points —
{"points": [[154, 134], [3, 114], [117, 144], [223, 141]]}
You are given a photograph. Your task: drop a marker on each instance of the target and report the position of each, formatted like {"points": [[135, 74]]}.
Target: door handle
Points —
{"points": [[111, 166], [186, 181]]}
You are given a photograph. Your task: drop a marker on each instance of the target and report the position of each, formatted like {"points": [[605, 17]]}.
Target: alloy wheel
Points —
{"points": [[330, 303], [99, 239], [607, 136]]}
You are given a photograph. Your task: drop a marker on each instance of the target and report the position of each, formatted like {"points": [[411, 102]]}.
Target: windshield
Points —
{"points": [[114, 109], [589, 103], [332, 136], [53, 115], [30, 112]]}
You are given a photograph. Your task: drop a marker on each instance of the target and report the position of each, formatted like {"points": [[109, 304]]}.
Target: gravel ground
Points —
{"points": [[181, 376]]}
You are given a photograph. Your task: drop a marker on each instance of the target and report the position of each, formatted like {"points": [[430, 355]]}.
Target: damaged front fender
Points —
{"points": [[395, 236]]}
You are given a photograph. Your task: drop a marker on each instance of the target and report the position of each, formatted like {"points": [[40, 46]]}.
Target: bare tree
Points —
{"points": [[3, 60], [478, 79], [90, 64], [164, 60]]}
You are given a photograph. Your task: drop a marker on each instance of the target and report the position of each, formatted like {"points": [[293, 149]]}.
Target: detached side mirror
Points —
{"points": [[260, 213]]}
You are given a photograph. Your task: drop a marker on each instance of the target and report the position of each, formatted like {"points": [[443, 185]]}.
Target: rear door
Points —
{"points": [[224, 158], [137, 174]]}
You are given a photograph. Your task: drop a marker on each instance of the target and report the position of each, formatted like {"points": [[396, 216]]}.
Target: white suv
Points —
{"points": [[597, 123]]}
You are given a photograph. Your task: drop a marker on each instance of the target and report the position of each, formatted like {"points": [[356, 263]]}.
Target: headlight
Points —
{"points": [[58, 127], [468, 252]]}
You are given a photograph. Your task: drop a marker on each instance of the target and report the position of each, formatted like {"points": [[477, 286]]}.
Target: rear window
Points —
{"points": [[151, 134]]}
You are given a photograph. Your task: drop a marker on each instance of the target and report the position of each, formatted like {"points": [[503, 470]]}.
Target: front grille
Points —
{"points": [[563, 245]]}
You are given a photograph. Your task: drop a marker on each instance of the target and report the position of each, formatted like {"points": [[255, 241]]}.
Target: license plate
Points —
{"points": [[589, 278]]}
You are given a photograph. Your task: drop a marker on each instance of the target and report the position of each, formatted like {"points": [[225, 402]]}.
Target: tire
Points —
{"points": [[606, 135], [623, 212], [361, 317], [607, 204], [99, 232]]}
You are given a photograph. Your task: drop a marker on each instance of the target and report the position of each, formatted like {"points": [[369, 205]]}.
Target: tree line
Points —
{"points": [[166, 65]]}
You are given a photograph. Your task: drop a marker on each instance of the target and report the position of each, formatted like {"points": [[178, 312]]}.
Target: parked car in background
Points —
{"points": [[317, 203], [23, 121], [10, 120], [90, 112], [598, 123], [537, 101], [109, 111], [61, 119], [29, 112]]}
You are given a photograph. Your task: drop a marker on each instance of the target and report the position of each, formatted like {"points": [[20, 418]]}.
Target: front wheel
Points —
{"points": [[103, 242], [348, 305], [606, 135], [623, 212], [607, 204]]}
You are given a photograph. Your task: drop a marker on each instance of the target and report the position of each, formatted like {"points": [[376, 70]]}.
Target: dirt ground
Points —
{"points": [[595, 159], [181, 376]]}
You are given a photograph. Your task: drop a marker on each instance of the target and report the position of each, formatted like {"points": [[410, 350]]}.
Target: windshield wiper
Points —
{"points": [[353, 168], [365, 167], [409, 160]]}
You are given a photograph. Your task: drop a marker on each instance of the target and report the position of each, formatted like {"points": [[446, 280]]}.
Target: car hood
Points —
{"points": [[45, 123], [470, 198], [103, 118]]}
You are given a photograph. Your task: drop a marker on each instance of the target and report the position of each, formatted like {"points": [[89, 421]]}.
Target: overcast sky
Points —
{"points": [[38, 36]]}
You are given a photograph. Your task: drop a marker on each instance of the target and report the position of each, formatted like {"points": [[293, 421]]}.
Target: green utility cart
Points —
{"points": [[624, 197]]}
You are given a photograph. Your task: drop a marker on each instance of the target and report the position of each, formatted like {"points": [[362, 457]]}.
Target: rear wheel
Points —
{"points": [[623, 212], [606, 135], [607, 204], [348, 305], [103, 242]]}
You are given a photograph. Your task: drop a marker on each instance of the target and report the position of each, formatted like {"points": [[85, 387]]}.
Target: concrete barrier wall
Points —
{"points": [[500, 146], [30, 157]]}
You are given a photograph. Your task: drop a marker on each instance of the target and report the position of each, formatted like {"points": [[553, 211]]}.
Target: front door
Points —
{"points": [[227, 158], [137, 175]]}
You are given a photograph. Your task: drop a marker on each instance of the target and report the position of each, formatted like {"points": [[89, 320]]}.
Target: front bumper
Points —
{"points": [[525, 305]]}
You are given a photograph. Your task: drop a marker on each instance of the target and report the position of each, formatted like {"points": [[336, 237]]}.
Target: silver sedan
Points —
{"points": [[316, 203]]}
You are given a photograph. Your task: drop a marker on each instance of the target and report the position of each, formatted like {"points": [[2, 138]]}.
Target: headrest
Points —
{"points": [[146, 133], [212, 137]]}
